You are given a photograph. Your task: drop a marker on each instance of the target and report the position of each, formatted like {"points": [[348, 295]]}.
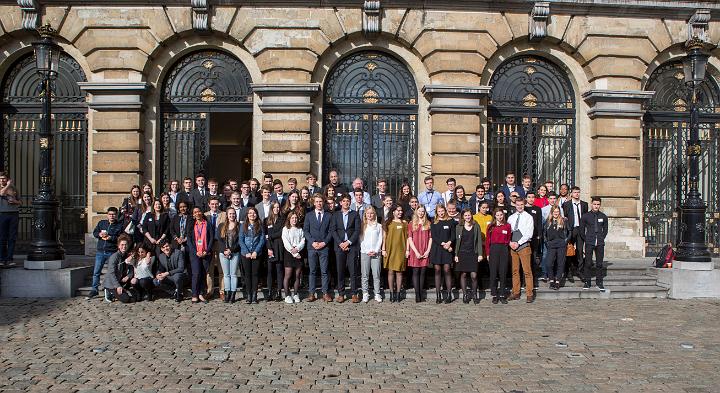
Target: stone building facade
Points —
{"points": [[455, 115]]}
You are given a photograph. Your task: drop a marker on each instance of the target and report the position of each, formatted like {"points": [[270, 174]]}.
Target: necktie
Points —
{"points": [[202, 192], [319, 218], [214, 219]]}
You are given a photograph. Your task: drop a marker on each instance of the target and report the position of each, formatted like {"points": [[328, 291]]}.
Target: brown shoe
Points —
{"points": [[327, 298], [340, 298], [311, 298], [355, 299], [222, 295], [530, 299], [513, 297]]}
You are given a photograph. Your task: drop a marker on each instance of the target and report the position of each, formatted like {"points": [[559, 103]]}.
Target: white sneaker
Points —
{"points": [[366, 297], [288, 300], [107, 295], [378, 298], [296, 298]]}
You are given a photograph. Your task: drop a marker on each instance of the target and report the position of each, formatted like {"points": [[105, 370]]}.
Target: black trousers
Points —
{"points": [[279, 270], [343, 260], [498, 263], [577, 263], [146, 286], [175, 281], [599, 263], [556, 262], [250, 267]]}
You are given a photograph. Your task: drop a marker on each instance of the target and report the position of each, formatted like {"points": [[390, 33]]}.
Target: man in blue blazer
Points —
{"points": [[510, 186], [317, 240], [345, 229]]}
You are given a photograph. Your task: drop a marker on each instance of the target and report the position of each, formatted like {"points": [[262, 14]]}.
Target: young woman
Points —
{"points": [[130, 204], [293, 241], [483, 217], [168, 205], [419, 248], [294, 204], [541, 200], [229, 254], [329, 192], [461, 202], [140, 215], [156, 226], [556, 235], [371, 241], [252, 240], [404, 195], [200, 250], [501, 203], [173, 191], [469, 246], [305, 199], [441, 252], [394, 251], [148, 188], [273, 235], [499, 234], [145, 270]]}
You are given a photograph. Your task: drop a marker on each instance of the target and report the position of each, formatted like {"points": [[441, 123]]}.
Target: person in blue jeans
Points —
{"points": [[9, 219], [107, 232]]}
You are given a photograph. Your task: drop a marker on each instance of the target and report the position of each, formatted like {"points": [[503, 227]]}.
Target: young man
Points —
{"points": [[263, 207], [107, 232], [536, 242], [340, 188], [311, 180], [268, 179], [255, 188], [550, 185], [509, 187], [573, 210], [487, 184], [430, 198], [200, 193], [526, 185], [246, 197], [215, 217], [278, 195], [345, 229], [118, 279], [358, 204], [233, 185], [186, 193], [359, 183], [213, 191], [522, 225], [9, 219], [317, 239], [477, 198], [409, 210], [594, 230], [236, 203], [552, 201], [171, 270], [450, 192], [377, 199]]}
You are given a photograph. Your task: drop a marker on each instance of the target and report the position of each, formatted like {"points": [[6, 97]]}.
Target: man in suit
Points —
{"points": [[358, 204], [487, 185], [263, 207], [593, 231], [255, 188], [312, 185], [214, 192], [246, 198], [477, 198], [171, 270], [377, 199], [186, 193], [345, 229], [536, 242], [215, 217], [278, 195], [509, 187], [573, 210], [526, 184], [385, 212], [237, 205], [450, 192], [317, 240], [199, 195]]}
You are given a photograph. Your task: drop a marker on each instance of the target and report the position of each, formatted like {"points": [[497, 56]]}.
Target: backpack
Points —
{"points": [[665, 257]]}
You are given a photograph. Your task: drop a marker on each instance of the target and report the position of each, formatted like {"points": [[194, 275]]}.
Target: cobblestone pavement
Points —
{"points": [[554, 346]]}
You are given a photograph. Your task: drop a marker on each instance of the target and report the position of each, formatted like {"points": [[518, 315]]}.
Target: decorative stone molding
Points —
{"points": [[463, 99], [616, 103], [698, 26], [30, 14], [278, 97], [114, 96], [200, 14], [538, 22], [371, 18]]}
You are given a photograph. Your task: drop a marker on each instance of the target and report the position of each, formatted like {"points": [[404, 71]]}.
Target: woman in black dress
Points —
{"points": [[469, 245], [442, 232], [273, 233]]}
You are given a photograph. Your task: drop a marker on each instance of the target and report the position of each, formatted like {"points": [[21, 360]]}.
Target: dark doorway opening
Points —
{"points": [[230, 146]]}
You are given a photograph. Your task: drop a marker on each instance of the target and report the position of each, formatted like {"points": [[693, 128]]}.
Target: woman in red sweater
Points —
{"points": [[497, 242]]}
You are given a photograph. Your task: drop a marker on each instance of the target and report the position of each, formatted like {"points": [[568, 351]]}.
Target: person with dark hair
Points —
{"points": [[477, 198], [594, 230], [442, 253], [278, 195], [461, 202], [180, 228], [556, 236], [156, 227], [263, 207], [499, 234], [171, 270], [145, 269], [215, 218], [526, 184], [358, 202], [120, 272], [449, 194], [573, 211], [141, 214], [318, 236], [511, 186], [172, 192], [214, 192], [345, 230], [469, 246], [536, 242], [377, 200], [130, 204], [487, 185], [200, 193], [429, 197], [202, 236], [312, 186], [255, 188], [107, 232], [334, 180], [229, 254], [247, 198], [404, 195], [186, 193], [252, 240], [167, 205], [395, 251], [268, 180], [501, 202], [274, 224]]}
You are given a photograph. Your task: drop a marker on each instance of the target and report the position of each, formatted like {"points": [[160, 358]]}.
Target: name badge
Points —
{"points": [[504, 232], [601, 219], [399, 227], [199, 242], [446, 227]]}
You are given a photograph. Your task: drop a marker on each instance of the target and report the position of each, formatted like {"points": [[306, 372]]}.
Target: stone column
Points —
{"points": [[116, 146], [616, 166], [286, 115], [458, 120]]}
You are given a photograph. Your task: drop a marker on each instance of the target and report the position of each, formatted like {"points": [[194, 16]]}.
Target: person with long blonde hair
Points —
{"points": [[556, 235], [442, 233], [419, 248], [395, 251], [371, 240]]}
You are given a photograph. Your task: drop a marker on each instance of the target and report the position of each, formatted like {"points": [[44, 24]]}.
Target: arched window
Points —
{"points": [[21, 109], [370, 126], [665, 135], [531, 122]]}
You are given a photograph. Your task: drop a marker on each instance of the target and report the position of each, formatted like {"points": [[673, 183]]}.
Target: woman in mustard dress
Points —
{"points": [[395, 251]]}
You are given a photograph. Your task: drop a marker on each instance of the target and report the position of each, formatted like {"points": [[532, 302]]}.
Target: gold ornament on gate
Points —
{"points": [[207, 95]]}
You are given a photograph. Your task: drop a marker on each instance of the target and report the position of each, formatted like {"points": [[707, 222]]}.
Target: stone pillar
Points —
{"points": [[116, 146], [616, 166], [286, 115], [457, 121]]}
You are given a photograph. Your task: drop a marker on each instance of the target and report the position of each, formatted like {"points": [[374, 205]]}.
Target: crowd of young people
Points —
{"points": [[346, 236]]}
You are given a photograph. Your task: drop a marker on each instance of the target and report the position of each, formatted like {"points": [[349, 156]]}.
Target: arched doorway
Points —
{"points": [[665, 135], [531, 122], [21, 109], [370, 125], [206, 107]]}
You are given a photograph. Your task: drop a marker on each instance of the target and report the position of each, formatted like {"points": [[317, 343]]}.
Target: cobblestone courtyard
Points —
{"points": [[588, 345]]}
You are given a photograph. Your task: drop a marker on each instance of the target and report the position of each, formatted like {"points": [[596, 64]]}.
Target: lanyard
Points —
{"points": [[198, 234]]}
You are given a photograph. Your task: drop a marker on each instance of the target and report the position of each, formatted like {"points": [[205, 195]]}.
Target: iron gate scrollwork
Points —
{"points": [[531, 119], [22, 111], [370, 125], [665, 136]]}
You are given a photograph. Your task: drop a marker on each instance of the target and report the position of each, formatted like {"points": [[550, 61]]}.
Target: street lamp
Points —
{"points": [[45, 245], [692, 247]]}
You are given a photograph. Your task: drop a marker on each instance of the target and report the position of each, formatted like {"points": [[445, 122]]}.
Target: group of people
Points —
{"points": [[347, 236]]}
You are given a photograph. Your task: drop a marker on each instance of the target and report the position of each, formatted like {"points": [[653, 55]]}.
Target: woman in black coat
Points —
{"points": [[273, 232], [156, 227]]}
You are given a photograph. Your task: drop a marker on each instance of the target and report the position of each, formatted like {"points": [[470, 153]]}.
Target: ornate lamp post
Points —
{"points": [[45, 245], [692, 247]]}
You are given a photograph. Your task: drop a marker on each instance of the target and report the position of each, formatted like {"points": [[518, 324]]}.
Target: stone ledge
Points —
{"points": [[284, 97], [60, 283], [456, 99], [114, 95], [616, 103]]}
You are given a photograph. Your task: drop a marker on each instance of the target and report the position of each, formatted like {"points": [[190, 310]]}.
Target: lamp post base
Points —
{"points": [[46, 265], [45, 246], [692, 247]]}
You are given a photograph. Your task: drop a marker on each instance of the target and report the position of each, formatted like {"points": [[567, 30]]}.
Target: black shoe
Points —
{"points": [[466, 297], [600, 287], [226, 296], [438, 298], [91, 295], [503, 300], [586, 286], [232, 296], [448, 297], [393, 297], [495, 300], [476, 300]]}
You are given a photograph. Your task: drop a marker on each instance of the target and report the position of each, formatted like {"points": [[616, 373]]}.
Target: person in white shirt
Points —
{"points": [[263, 207], [371, 239], [450, 193], [293, 239], [523, 226], [359, 184]]}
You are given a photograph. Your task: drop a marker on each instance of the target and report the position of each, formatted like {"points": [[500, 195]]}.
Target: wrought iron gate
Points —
{"points": [[20, 149], [370, 125], [186, 144], [665, 136], [531, 122]]}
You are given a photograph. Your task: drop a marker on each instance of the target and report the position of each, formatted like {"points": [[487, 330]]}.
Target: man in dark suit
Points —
{"points": [[171, 270], [312, 185], [536, 242], [186, 193], [214, 192], [345, 229], [317, 240], [278, 195], [199, 195], [573, 210], [246, 198], [509, 187], [593, 230], [477, 198], [377, 199]]}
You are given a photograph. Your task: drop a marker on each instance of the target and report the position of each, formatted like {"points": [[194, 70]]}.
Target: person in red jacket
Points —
{"points": [[497, 243]]}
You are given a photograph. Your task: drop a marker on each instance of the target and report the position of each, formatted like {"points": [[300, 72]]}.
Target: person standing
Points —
{"points": [[510, 186], [419, 248], [263, 207], [594, 230], [340, 188], [476, 199], [274, 224], [395, 251], [107, 232], [200, 193], [377, 199], [130, 204], [156, 226], [345, 229], [573, 210], [459, 198], [229, 254], [215, 218], [171, 270], [536, 242], [556, 238], [520, 251], [317, 237], [441, 252], [311, 180], [430, 198], [497, 244], [180, 229], [371, 240], [252, 240], [278, 195], [483, 217], [358, 203], [450, 192], [293, 241], [202, 236], [469, 245]]}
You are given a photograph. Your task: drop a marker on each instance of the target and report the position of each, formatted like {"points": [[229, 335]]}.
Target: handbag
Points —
{"points": [[570, 250]]}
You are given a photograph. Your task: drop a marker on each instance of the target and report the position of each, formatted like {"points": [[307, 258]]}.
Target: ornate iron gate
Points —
{"points": [[21, 117], [531, 122], [665, 136], [370, 125]]}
